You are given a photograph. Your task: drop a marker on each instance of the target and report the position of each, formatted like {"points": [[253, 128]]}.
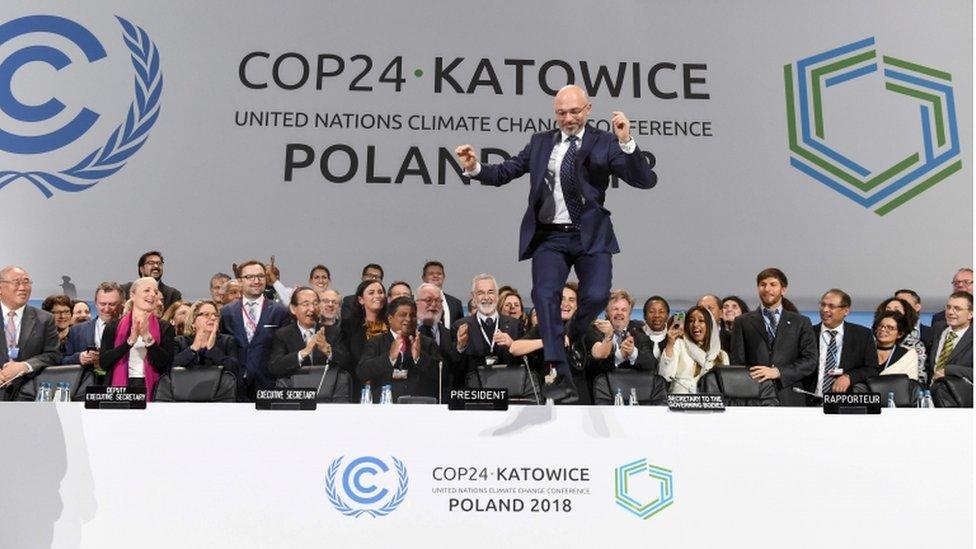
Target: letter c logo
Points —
{"points": [[14, 108]]}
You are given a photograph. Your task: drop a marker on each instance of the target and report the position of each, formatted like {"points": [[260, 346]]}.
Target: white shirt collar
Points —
{"points": [[839, 329], [579, 134], [19, 313], [482, 318], [259, 301]]}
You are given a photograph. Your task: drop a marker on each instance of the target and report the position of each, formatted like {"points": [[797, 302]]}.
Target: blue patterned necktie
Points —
{"points": [[568, 183], [771, 326], [830, 362]]}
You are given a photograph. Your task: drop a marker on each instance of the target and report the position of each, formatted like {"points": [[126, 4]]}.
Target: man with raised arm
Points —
{"points": [[565, 224]]}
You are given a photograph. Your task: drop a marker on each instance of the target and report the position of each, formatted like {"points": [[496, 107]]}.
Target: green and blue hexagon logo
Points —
{"points": [[644, 490], [904, 177]]}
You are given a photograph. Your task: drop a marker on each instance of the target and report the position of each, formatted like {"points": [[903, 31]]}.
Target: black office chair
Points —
{"points": [[197, 384], [953, 391], [524, 385], [652, 389], [334, 387], [77, 377], [737, 388], [905, 389]]}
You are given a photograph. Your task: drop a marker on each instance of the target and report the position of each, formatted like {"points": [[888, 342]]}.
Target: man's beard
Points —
{"points": [[487, 309], [432, 319]]}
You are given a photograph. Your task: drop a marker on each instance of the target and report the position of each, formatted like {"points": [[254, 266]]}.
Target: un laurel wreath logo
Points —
{"points": [[124, 142], [364, 496]]}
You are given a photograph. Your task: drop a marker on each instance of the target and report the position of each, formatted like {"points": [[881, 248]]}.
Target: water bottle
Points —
{"points": [[366, 396], [618, 399], [927, 400], [920, 398], [891, 399], [44, 392], [386, 394], [63, 392], [633, 397]]}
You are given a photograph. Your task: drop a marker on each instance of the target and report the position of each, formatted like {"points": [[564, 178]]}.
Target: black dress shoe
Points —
{"points": [[562, 390]]}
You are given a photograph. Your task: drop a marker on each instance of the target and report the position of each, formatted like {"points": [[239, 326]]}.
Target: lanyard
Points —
{"points": [[489, 340], [251, 322]]}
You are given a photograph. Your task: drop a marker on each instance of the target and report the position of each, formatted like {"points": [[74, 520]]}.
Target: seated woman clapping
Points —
{"points": [[201, 343]]}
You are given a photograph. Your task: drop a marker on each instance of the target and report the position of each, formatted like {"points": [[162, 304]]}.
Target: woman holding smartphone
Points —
{"points": [[693, 348]]}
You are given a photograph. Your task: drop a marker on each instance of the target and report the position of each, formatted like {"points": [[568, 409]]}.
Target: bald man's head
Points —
{"points": [[572, 108]]}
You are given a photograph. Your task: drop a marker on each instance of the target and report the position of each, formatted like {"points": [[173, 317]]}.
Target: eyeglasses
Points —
{"points": [[61, 313], [429, 300], [26, 282], [830, 306], [208, 315], [329, 301], [252, 278], [154, 263], [887, 328]]}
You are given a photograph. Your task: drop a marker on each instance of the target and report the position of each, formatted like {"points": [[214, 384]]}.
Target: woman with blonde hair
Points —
{"points": [[137, 348], [201, 343]]}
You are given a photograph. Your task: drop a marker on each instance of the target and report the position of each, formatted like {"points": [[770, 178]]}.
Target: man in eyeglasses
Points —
{"points": [[151, 264], [565, 224], [847, 354], [30, 334], [430, 311], [252, 320]]}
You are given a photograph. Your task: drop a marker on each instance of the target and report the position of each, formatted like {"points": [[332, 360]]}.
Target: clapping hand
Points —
{"points": [[621, 126]]}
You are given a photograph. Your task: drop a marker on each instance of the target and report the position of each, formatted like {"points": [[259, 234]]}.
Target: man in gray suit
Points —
{"points": [[952, 349], [775, 343], [30, 335]]}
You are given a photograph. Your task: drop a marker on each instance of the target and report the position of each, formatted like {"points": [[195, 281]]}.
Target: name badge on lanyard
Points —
{"points": [[491, 358]]}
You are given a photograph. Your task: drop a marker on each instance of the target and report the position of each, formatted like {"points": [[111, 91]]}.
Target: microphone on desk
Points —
{"points": [[808, 393]]}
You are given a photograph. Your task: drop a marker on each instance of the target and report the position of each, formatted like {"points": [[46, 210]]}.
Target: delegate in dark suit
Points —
{"points": [[793, 351], [478, 348], [253, 355], [286, 344], [375, 367], [81, 337], [38, 344], [960, 360], [453, 373], [565, 224], [858, 356]]}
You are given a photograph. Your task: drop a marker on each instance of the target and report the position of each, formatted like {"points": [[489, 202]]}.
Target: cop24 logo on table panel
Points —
{"points": [[366, 485], [40, 56]]}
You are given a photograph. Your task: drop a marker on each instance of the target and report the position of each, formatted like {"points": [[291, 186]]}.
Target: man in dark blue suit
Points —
{"points": [[252, 320], [565, 224], [84, 339]]}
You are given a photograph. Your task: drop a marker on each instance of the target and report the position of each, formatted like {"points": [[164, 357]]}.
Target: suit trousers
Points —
{"points": [[554, 254]]}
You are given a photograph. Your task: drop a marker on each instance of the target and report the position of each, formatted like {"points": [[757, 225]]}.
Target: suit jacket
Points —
{"points": [[375, 367], [454, 368], [288, 341], [224, 353], [925, 334], [858, 357], [794, 350], [253, 356], [170, 294], [962, 353], [476, 351], [160, 354], [350, 307], [38, 343], [80, 338], [455, 307], [598, 158], [645, 353]]}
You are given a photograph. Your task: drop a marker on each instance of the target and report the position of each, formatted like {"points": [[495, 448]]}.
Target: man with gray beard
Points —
{"points": [[484, 338], [430, 311]]}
